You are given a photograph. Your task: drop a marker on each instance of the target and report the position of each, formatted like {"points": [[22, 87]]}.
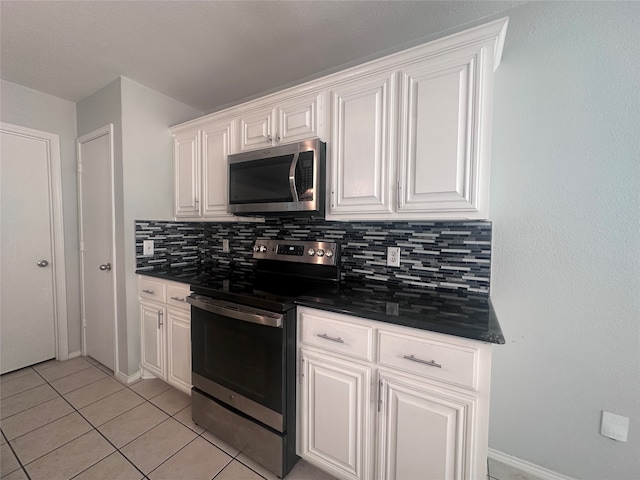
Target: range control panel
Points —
{"points": [[323, 253]]}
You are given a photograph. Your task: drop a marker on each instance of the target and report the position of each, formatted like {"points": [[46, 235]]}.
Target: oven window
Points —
{"points": [[242, 356]]}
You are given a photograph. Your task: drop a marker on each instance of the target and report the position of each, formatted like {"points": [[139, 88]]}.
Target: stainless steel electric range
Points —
{"points": [[243, 335]]}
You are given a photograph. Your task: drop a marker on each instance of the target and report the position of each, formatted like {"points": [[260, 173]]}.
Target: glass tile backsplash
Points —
{"points": [[433, 255]]}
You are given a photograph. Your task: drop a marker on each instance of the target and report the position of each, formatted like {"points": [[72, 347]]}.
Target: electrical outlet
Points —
{"points": [[147, 247], [393, 256], [225, 245], [393, 309]]}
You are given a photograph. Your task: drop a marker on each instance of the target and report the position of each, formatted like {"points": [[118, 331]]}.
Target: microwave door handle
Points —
{"points": [[292, 177]]}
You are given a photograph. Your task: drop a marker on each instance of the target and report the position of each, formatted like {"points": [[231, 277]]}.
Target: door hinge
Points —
{"points": [[79, 168], [84, 323], [379, 395], [82, 246]]}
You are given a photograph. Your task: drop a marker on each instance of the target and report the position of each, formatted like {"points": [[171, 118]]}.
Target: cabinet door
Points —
{"points": [[299, 118], [152, 318], [257, 129], [423, 431], [439, 139], [179, 349], [186, 156], [362, 150], [217, 139], [335, 415]]}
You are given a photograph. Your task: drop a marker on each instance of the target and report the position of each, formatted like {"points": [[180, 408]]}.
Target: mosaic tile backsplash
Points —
{"points": [[433, 255]]}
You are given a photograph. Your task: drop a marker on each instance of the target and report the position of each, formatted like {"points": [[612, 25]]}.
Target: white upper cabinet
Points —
{"points": [[217, 138], [200, 159], [441, 134], [186, 156], [292, 119], [416, 145], [408, 135], [362, 122]]}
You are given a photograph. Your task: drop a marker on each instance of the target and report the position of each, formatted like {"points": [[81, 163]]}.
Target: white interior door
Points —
{"points": [[30, 219], [95, 187]]}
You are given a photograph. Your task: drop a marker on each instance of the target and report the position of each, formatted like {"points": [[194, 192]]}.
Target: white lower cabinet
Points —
{"points": [[179, 344], [335, 413], [152, 353], [165, 331], [406, 404], [423, 432]]}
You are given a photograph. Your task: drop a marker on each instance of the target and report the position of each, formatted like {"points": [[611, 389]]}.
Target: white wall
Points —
{"points": [[147, 148], [29, 108], [566, 253]]}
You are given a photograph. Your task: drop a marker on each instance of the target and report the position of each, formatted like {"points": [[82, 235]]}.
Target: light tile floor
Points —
{"points": [[72, 419]]}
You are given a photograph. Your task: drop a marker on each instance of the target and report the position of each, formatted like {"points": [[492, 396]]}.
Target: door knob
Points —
{"points": [[105, 266], [42, 263]]}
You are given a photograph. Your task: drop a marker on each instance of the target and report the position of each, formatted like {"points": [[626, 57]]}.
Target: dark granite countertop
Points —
{"points": [[188, 275], [448, 312], [443, 312]]}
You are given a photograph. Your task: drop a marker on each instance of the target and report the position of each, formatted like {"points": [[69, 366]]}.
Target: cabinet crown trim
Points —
{"points": [[493, 31]]}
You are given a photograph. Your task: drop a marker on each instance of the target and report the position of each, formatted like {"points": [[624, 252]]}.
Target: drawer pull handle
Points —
{"points": [[327, 337], [431, 363], [150, 292], [178, 299]]}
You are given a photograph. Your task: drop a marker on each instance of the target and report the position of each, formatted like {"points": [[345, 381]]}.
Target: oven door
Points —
{"points": [[238, 357]]}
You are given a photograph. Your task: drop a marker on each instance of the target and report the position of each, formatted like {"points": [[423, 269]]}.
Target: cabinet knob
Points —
{"points": [[42, 263]]}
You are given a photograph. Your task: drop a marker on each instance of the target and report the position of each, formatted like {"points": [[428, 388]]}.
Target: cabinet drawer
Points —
{"points": [[334, 334], [152, 290], [450, 363], [177, 297]]}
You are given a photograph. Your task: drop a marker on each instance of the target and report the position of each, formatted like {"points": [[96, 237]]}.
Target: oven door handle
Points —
{"points": [[239, 312]]}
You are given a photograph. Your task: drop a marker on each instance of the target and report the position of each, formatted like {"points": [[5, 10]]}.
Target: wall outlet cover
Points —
{"points": [[147, 247], [393, 256], [614, 426]]}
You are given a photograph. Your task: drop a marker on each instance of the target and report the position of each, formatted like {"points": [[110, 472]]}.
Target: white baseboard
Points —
{"points": [[75, 354], [145, 375], [527, 467], [127, 379]]}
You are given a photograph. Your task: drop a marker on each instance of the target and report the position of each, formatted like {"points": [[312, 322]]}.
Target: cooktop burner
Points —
{"points": [[285, 270]]}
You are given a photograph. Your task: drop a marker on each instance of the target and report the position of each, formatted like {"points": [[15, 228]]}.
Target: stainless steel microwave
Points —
{"points": [[287, 180]]}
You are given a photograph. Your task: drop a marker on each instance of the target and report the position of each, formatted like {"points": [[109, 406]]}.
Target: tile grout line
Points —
{"points": [[75, 389], [147, 400], [21, 466], [75, 410], [95, 428]]}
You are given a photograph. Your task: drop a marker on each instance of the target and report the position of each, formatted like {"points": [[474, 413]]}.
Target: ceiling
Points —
{"points": [[211, 54]]}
